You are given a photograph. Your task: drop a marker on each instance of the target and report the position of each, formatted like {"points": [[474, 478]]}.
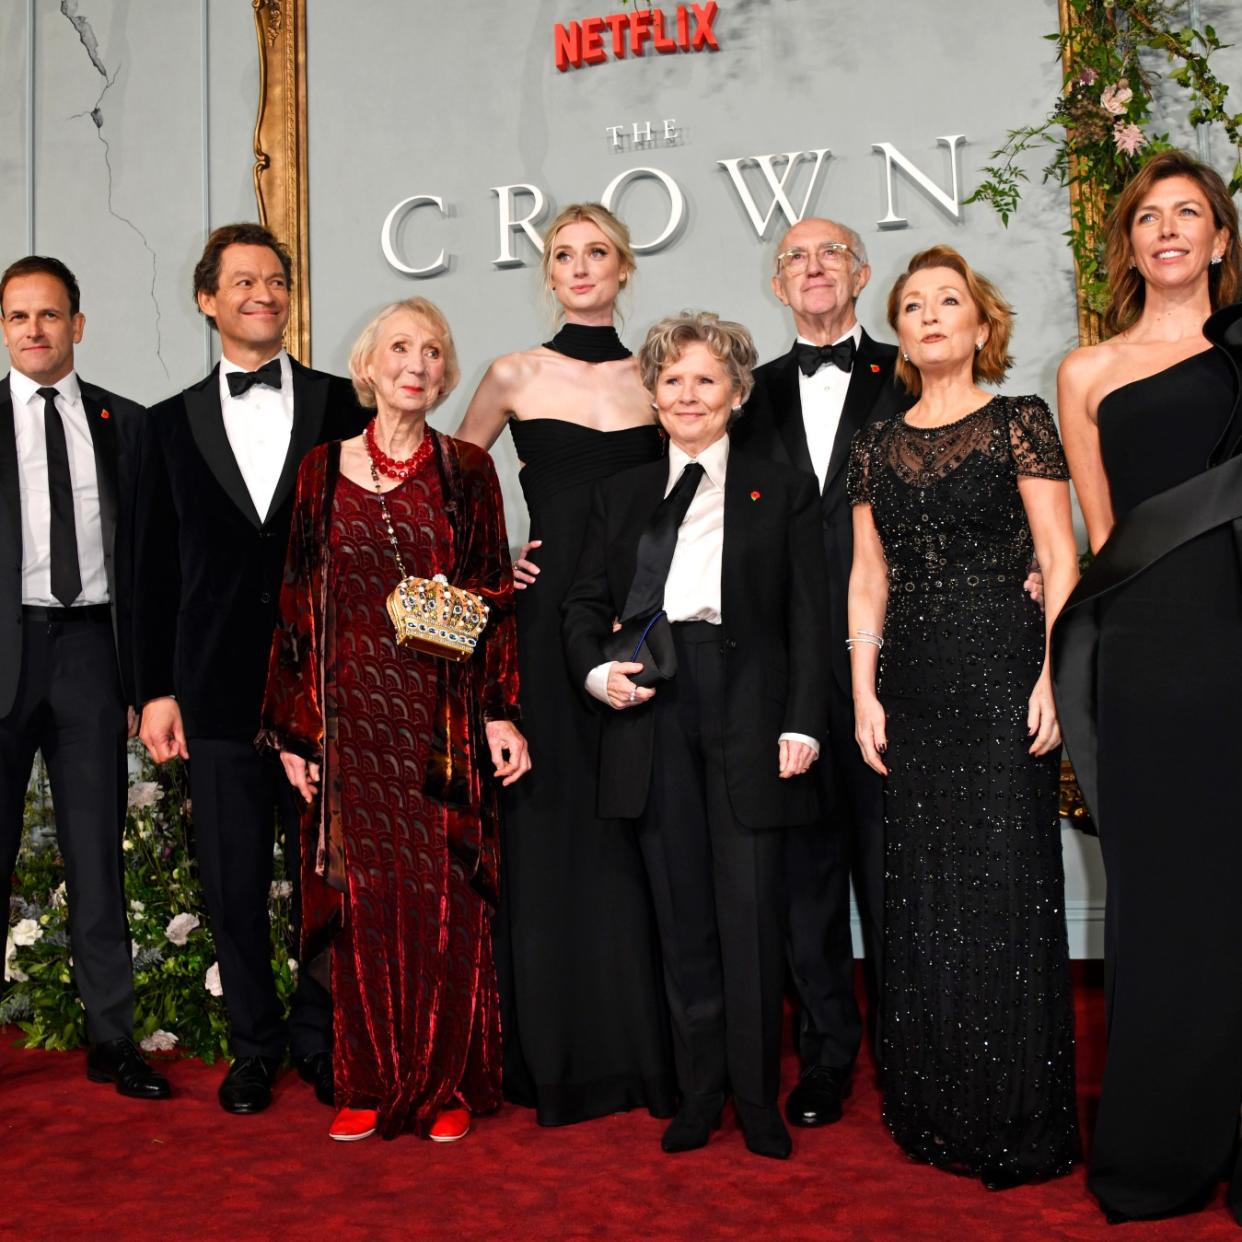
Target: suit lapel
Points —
{"points": [[867, 379], [103, 437], [10, 483], [202, 407], [310, 401], [787, 412]]}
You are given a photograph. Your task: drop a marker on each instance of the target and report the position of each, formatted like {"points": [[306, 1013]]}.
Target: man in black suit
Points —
{"points": [[710, 764], [215, 501], [68, 457], [805, 409]]}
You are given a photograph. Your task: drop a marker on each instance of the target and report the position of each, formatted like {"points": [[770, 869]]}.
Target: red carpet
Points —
{"points": [[78, 1161]]}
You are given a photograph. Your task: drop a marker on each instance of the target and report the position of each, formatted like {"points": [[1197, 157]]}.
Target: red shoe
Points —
{"points": [[352, 1124], [452, 1124]]}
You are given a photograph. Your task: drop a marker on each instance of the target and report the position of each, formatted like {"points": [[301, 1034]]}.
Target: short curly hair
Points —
{"points": [[433, 317], [992, 362], [728, 342]]}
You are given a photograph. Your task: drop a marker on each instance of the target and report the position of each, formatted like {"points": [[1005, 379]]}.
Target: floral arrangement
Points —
{"points": [[1100, 130], [176, 976]]}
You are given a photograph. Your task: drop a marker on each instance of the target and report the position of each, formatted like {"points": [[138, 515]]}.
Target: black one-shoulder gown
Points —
{"points": [[583, 1016], [1169, 695]]}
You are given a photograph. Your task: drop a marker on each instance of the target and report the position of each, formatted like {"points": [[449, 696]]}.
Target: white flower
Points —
{"points": [[127, 844], [143, 794], [26, 932], [11, 969], [293, 968], [58, 895], [138, 907], [211, 980], [281, 888], [159, 1041], [179, 927], [1115, 98]]}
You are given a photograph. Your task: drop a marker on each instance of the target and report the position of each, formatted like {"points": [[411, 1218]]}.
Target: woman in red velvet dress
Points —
{"points": [[388, 745]]}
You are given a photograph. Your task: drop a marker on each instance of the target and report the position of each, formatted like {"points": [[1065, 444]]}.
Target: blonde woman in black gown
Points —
{"points": [[1148, 664], [950, 499], [582, 1011]]}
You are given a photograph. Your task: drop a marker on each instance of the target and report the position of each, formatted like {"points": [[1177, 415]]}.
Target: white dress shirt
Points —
{"points": [[692, 589], [823, 399], [259, 425], [36, 500]]}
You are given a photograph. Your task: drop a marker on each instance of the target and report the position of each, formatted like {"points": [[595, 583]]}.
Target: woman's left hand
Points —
{"points": [[502, 736], [1041, 718], [796, 758]]}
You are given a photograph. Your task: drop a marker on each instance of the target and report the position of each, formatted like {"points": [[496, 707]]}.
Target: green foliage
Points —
{"points": [[1099, 131], [162, 895]]}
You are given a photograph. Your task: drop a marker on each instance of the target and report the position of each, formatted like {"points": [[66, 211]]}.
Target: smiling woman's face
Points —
{"points": [[694, 397], [406, 367], [1173, 237]]}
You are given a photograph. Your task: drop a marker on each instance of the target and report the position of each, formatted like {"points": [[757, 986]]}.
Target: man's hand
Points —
{"points": [[525, 571], [161, 730], [795, 758], [509, 751], [303, 776]]}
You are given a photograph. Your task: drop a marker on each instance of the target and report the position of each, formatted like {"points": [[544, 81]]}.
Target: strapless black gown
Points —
{"points": [[1169, 693], [583, 1016]]}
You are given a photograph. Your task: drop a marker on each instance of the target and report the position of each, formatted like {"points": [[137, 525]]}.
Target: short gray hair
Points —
{"points": [[432, 317], [728, 342]]}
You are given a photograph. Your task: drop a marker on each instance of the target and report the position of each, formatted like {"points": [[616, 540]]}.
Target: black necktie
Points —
{"points": [[66, 573], [657, 545], [243, 381], [812, 357]]}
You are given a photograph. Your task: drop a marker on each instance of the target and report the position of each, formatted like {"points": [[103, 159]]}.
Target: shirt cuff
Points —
{"points": [[800, 737], [597, 681]]}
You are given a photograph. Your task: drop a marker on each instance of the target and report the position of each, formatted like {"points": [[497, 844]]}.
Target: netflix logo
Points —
{"points": [[592, 40]]}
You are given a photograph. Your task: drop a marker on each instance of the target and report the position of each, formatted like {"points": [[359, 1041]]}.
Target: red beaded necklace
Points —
{"points": [[390, 466]]}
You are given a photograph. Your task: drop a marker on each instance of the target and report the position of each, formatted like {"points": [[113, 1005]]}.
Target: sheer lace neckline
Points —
{"points": [[956, 422]]}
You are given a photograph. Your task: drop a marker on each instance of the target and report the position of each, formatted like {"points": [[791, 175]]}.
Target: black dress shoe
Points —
{"points": [[763, 1130], [119, 1061], [697, 1117], [816, 1100], [247, 1087], [316, 1069]]}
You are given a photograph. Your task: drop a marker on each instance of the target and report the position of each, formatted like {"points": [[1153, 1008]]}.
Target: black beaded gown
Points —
{"points": [[1169, 695], [583, 1016], [978, 1043]]}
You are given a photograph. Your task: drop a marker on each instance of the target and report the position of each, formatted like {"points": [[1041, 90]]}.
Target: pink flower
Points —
{"points": [[1128, 137], [1115, 98]]}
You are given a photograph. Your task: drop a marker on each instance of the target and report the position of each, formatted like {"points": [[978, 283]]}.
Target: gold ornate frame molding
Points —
{"points": [[280, 143]]}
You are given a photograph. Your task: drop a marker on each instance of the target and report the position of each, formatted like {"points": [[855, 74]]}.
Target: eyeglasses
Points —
{"points": [[829, 254]]}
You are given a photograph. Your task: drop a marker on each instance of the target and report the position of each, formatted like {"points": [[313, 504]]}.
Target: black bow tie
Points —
{"points": [[812, 357], [243, 381]]}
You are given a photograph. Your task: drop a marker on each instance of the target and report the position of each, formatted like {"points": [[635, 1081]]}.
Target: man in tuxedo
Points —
{"points": [[805, 409], [215, 500], [68, 456]]}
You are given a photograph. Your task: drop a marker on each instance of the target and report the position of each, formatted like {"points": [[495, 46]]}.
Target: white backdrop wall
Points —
{"points": [[126, 130]]}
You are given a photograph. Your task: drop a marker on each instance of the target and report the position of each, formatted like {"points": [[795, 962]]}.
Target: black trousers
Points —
{"points": [[819, 861], [716, 887], [239, 796], [69, 705]]}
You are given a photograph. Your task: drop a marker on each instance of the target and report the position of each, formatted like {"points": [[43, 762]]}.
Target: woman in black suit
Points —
{"points": [[723, 550]]}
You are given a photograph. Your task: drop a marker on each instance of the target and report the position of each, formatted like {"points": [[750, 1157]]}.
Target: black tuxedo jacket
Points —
{"points": [[771, 426], [116, 430], [773, 601], [208, 569]]}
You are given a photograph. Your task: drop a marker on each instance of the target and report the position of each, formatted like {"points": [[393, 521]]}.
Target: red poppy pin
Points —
{"points": [[875, 368], [104, 414], [754, 495]]}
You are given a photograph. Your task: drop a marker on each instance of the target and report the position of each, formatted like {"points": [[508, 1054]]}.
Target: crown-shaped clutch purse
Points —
{"points": [[435, 617]]}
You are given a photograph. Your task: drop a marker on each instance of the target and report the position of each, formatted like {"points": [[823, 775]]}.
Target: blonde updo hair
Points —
{"points": [[364, 348], [729, 343], [992, 362], [608, 224]]}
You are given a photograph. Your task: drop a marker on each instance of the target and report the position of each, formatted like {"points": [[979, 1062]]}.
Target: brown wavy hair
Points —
{"points": [[1126, 287], [992, 362]]}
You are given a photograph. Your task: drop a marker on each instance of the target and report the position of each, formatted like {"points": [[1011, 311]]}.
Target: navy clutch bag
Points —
{"points": [[647, 641]]}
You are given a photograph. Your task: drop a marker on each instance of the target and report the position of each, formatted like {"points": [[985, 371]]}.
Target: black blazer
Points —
{"points": [[773, 600], [771, 426], [117, 439], [208, 569]]}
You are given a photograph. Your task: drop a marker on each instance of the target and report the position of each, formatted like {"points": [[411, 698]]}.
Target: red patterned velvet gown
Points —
{"points": [[404, 847]]}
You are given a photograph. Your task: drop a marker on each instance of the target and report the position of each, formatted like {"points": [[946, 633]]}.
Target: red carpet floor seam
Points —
{"points": [[78, 1161]]}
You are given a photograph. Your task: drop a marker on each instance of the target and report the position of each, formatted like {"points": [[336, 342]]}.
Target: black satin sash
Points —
{"points": [[1150, 531]]}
